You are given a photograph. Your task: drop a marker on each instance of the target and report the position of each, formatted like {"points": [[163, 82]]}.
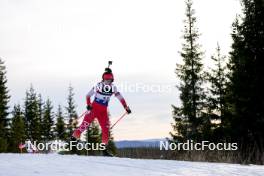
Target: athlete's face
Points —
{"points": [[108, 81]]}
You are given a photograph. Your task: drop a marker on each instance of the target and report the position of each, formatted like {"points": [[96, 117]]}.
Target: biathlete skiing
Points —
{"points": [[98, 108]]}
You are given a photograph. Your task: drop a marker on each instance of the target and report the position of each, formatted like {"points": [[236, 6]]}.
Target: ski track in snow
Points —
{"points": [[73, 165]]}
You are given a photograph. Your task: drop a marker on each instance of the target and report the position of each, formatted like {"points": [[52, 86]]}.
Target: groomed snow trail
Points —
{"points": [[73, 165]]}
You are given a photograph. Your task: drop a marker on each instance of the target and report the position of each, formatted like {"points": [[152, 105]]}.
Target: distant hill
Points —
{"points": [[138, 143]]}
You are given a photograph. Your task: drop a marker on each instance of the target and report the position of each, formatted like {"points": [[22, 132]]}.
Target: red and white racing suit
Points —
{"points": [[102, 93]]}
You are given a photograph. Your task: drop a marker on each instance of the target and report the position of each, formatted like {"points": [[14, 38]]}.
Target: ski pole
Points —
{"points": [[118, 120], [80, 116]]}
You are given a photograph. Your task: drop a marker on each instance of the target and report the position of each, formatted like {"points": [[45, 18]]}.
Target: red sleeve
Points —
{"points": [[120, 97]]}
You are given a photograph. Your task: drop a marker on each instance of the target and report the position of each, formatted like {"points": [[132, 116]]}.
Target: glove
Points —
{"points": [[89, 107], [128, 110]]}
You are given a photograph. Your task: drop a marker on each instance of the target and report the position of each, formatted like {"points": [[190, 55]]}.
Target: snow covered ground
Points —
{"points": [[66, 165]]}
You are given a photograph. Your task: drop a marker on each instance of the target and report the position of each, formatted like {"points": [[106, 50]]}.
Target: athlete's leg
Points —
{"points": [[103, 120], [88, 118]]}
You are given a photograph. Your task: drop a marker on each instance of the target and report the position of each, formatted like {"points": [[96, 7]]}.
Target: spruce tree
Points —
{"points": [[188, 116], [40, 113], [218, 80], [246, 79], [4, 99], [111, 144], [47, 123], [18, 131], [93, 136], [60, 125], [71, 112], [32, 118], [217, 107]]}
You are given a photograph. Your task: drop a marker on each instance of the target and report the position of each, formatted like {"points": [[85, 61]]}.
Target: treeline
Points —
{"points": [[187, 155], [226, 103], [37, 119]]}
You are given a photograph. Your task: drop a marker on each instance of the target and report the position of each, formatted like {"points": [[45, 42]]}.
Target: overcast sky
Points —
{"points": [[52, 43]]}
